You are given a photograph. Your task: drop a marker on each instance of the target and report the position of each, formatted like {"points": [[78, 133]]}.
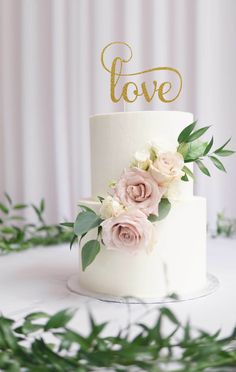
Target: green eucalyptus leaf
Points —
{"points": [[85, 208], [43, 351], [163, 209], [42, 205], [174, 296], [224, 152], [73, 240], [223, 146], [99, 231], [74, 337], [188, 172], [170, 315], [184, 135], [89, 252], [208, 147], [81, 238], [183, 149], [7, 336], [7, 229], [37, 315], [29, 327], [4, 209], [20, 206], [67, 224], [38, 213], [86, 221], [197, 134], [152, 217], [7, 196], [217, 163], [17, 218], [60, 319], [184, 178], [196, 150], [203, 168]]}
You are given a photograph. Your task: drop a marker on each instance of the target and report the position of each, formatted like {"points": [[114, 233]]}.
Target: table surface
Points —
{"points": [[36, 280]]}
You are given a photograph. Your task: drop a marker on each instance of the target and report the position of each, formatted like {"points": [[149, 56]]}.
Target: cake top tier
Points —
{"points": [[144, 112], [117, 136]]}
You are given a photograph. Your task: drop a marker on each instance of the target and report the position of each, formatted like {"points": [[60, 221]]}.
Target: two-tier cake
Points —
{"points": [[176, 260]]}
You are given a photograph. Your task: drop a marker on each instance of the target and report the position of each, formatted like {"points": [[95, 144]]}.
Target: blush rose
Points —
{"points": [[137, 188], [130, 231]]}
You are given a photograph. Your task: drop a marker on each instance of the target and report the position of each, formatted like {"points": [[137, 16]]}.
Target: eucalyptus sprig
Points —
{"points": [[195, 150], [17, 234], [225, 226], [163, 210], [86, 220], [43, 342]]}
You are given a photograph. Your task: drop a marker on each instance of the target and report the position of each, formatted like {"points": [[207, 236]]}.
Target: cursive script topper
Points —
{"points": [[130, 90]]}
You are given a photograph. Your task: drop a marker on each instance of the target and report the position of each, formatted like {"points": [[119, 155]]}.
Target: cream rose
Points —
{"points": [[142, 159], [167, 167], [130, 231], [137, 188], [159, 147], [110, 208]]}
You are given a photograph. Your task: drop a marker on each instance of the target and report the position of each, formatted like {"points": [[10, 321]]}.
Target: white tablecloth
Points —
{"points": [[36, 280]]}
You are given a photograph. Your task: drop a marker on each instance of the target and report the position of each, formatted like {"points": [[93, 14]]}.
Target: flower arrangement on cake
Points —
{"points": [[142, 195]]}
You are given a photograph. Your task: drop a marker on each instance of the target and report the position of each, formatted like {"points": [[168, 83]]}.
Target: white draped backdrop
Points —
{"points": [[51, 80]]}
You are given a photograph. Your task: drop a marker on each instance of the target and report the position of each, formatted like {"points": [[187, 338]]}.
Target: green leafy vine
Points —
{"points": [[17, 234], [196, 151], [43, 342]]}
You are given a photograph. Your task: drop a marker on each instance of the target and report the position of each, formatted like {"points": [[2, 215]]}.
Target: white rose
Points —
{"points": [[160, 147], [141, 159], [174, 190], [110, 208], [167, 168]]}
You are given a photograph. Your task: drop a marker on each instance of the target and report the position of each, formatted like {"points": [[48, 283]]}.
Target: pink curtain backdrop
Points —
{"points": [[51, 80]]}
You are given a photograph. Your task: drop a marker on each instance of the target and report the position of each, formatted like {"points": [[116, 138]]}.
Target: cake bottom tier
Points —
{"points": [[177, 263]]}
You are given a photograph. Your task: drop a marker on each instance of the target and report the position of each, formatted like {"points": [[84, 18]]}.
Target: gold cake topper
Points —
{"points": [[116, 72]]}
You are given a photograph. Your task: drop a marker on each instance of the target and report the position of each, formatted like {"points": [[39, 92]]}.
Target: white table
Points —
{"points": [[36, 280]]}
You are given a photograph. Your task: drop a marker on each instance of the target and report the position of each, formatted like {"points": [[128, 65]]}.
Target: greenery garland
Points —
{"points": [[17, 234], [43, 343], [225, 226]]}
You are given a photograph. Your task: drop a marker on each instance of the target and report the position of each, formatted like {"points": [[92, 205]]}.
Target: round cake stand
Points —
{"points": [[211, 286]]}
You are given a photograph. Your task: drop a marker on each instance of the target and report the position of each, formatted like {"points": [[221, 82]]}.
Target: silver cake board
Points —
{"points": [[211, 286]]}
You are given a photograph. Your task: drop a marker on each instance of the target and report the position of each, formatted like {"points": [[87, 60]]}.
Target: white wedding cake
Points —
{"points": [[174, 261]]}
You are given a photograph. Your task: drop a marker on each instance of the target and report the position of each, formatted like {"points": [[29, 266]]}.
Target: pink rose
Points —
{"points": [[137, 188], [130, 231], [167, 168]]}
